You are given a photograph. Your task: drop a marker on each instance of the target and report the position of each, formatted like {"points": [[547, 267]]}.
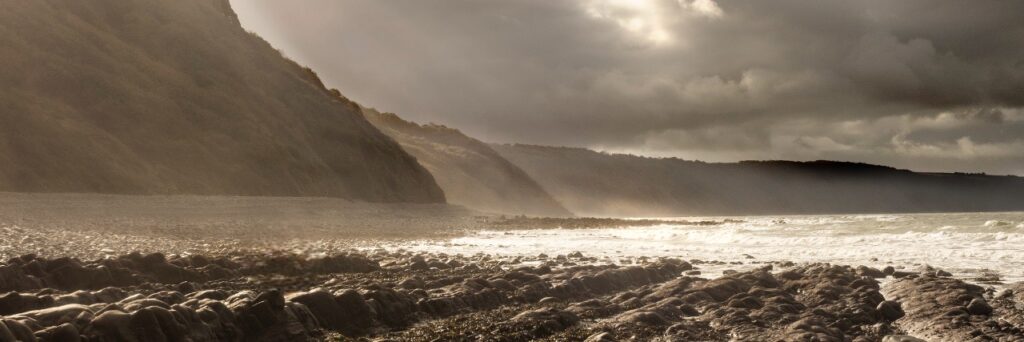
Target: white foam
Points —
{"points": [[996, 223], [960, 243]]}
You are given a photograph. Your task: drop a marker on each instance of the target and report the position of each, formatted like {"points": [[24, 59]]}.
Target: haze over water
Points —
{"points": [[966, 244]]}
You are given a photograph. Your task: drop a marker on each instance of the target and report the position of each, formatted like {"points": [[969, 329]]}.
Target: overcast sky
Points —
{"points": [[920, 84]]}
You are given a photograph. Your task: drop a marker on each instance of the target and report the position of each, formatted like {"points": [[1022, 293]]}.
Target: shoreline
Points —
{"points": [[286, 269], [386, 295]]}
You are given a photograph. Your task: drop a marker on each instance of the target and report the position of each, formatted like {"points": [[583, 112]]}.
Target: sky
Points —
{"points": [[928, 85]]}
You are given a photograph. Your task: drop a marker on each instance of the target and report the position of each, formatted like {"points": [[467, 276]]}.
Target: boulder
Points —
{"points": [[325, 308], [890, 310], [979, 306], [56, 315], [146, 326], [865, 271], [358, 315], [14, 302], [19, 330], [63, 333], [112, 325]]}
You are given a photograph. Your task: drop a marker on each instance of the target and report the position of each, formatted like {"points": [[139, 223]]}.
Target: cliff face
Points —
{"points": [[471, 173], [593, 183], [169, 97]]}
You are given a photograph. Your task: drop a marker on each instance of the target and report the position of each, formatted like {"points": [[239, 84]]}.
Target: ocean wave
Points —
{"points": [[997, 223], [955, 241]]}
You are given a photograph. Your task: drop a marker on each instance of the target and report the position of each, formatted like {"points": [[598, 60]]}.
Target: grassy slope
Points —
{"points": [[174, 97], [470, 172]]}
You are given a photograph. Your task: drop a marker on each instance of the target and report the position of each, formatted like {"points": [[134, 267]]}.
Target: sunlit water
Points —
{"points": [[967, 244]]}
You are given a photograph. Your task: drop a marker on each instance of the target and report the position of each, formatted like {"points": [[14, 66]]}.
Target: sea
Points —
{"points": [[969, 245]]}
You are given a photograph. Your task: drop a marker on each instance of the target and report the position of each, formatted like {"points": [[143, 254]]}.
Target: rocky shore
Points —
{"points": [[401, 296], [239, 269]]}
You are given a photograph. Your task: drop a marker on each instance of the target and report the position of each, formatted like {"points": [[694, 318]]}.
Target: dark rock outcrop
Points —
{"points": [[948, 309]]}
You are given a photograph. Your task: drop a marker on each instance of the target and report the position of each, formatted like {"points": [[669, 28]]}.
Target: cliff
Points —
{"points": [[471, 173], [175, 97]]}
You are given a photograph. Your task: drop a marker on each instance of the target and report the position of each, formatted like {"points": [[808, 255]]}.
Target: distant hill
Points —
{"points": [[470, 172], [174, 97], [593, 183]]}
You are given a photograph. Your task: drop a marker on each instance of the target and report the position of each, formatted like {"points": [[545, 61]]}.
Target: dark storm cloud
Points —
{"points": [[920, 84]]}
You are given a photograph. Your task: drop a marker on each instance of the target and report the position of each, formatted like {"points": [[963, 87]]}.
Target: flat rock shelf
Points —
{"points": [[404, 296]]}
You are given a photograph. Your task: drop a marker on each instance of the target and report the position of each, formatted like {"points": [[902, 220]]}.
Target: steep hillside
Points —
{"points": [[593, 183], [174, 97], [470, 172]]}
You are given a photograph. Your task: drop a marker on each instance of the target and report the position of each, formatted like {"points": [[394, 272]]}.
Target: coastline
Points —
{"points": [[280, 268]]}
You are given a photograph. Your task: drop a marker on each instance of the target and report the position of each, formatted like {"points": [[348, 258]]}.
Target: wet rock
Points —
{"points": [[949, 309], [644, 317], [267, 316], [745, 302], [209, 294], [18, 330], [438, 265], [1004, 293], [14, 302], [141, 303], [593, 308], [979, 306], [548, 300], [890, 310], [813, 329], [901, 338], [988, 278], [647, 302], [354, 316], [418, 263], [723, 288], [110, 295], [865, 271], [64, 333], [502, 284], [112, 325], [392, 307], [186, 287], [146, 326], [902, 274], [6, 334], [600, 337], [56, 315], [547, 321], [323, 306], [412, 283]]}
